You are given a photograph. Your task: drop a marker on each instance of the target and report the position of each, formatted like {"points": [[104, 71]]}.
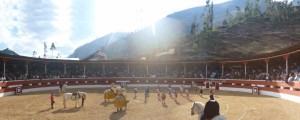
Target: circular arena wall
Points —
{"points": [[289, 91]]}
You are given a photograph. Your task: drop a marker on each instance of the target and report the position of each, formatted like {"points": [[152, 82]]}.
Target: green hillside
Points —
{"points": [[249, 32]]}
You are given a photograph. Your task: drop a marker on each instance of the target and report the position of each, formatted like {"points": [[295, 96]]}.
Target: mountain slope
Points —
{"points": [[187, 16], [8, 51], [151, 39], [173, 31], [98, 44]]}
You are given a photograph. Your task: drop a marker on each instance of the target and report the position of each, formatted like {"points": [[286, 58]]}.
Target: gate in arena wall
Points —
{"points": [[255, 90], [217, 86], [18, 90], [207, 84]]}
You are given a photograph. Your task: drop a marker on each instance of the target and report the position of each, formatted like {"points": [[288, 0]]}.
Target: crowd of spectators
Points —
{"points": [[254, 72]]}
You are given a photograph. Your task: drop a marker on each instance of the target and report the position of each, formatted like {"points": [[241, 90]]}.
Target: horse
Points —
{"points": [[198, 108], [120, 100], [62, 89], [111, 93], [74, 97]]}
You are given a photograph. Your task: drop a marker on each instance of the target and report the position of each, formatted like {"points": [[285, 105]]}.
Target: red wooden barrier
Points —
{"points": [[292, 88]]}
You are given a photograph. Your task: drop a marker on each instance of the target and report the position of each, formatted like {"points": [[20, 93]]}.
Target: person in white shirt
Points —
{"points": [[291, 78]]}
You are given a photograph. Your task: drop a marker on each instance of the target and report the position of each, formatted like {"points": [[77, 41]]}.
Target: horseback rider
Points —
{"points": [[118, 101], [211, 109], [113, 88]]}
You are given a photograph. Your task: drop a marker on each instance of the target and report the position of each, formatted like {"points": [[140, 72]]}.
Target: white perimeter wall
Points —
{"points": [[262, 92], [87, 86]]}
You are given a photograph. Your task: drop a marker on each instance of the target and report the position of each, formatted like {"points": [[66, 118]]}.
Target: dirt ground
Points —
{"points": [[234, 105]]}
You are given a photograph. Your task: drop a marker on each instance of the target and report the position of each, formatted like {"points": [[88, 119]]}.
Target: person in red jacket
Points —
{"points": [[52, 100]]}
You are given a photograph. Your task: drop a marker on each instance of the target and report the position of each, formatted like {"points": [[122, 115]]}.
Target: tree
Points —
{"points": [[52, 48], [194, 27], [208, 16], [256, 9], [248, 9], [229, 17], [206, 38], [224, 23], [45, 49], [239, 15]]}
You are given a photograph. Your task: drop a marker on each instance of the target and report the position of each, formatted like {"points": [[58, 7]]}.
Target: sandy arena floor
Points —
{"points": [[234, 105]]}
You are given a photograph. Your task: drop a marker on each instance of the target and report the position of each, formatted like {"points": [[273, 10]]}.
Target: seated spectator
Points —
{"points": [[297, 76], [291, 77]]}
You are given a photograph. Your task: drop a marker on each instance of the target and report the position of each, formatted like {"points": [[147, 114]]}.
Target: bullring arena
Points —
{"points": [[239, 99]]}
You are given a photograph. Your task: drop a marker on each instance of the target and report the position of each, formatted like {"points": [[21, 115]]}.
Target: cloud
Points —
{"points": [[26, 24], [82, 16]]}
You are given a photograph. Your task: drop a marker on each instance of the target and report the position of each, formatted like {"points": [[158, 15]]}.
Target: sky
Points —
{"points": [[26, 24]]}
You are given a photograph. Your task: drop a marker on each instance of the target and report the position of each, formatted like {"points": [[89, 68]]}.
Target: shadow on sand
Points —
{"points": [[65, 110], [177, 103], [105, 104], [165, 105], [188, 98], [117, 115], [44, 110]]}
